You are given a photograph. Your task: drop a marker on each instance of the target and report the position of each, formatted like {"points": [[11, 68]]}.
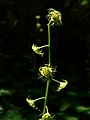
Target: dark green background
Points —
{"points": [[70, 52]]}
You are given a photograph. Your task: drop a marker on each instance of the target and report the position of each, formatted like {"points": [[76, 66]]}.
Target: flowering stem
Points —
{"points": [[49, 61]]}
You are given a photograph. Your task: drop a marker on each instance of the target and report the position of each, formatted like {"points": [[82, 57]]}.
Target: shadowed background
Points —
{"points": [[70, 52]]}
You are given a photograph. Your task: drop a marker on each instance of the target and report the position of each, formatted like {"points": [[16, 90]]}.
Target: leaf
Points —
{"points": [[82, 108], [71, 118], [4, 92], [1, 109], [12, 115]]}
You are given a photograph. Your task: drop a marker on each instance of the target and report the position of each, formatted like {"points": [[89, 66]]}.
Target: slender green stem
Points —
{"points": [[39, 99], [46, 95], [56, 80], [49, 53], [43, 46], [49, 61], [46, 109]]}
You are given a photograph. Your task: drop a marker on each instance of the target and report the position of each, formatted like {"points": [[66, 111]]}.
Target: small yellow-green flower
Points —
{"points": [[46, 71], [31, 102], [54, 17], [46, 116], [38, 50], [62, 85]]}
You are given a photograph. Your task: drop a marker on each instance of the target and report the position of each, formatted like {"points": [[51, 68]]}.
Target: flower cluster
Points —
{"points": [[54, 17], [46, 71]]}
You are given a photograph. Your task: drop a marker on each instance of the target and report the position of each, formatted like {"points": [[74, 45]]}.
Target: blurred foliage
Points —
{"points": [[4, 92], [19, 65]]}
